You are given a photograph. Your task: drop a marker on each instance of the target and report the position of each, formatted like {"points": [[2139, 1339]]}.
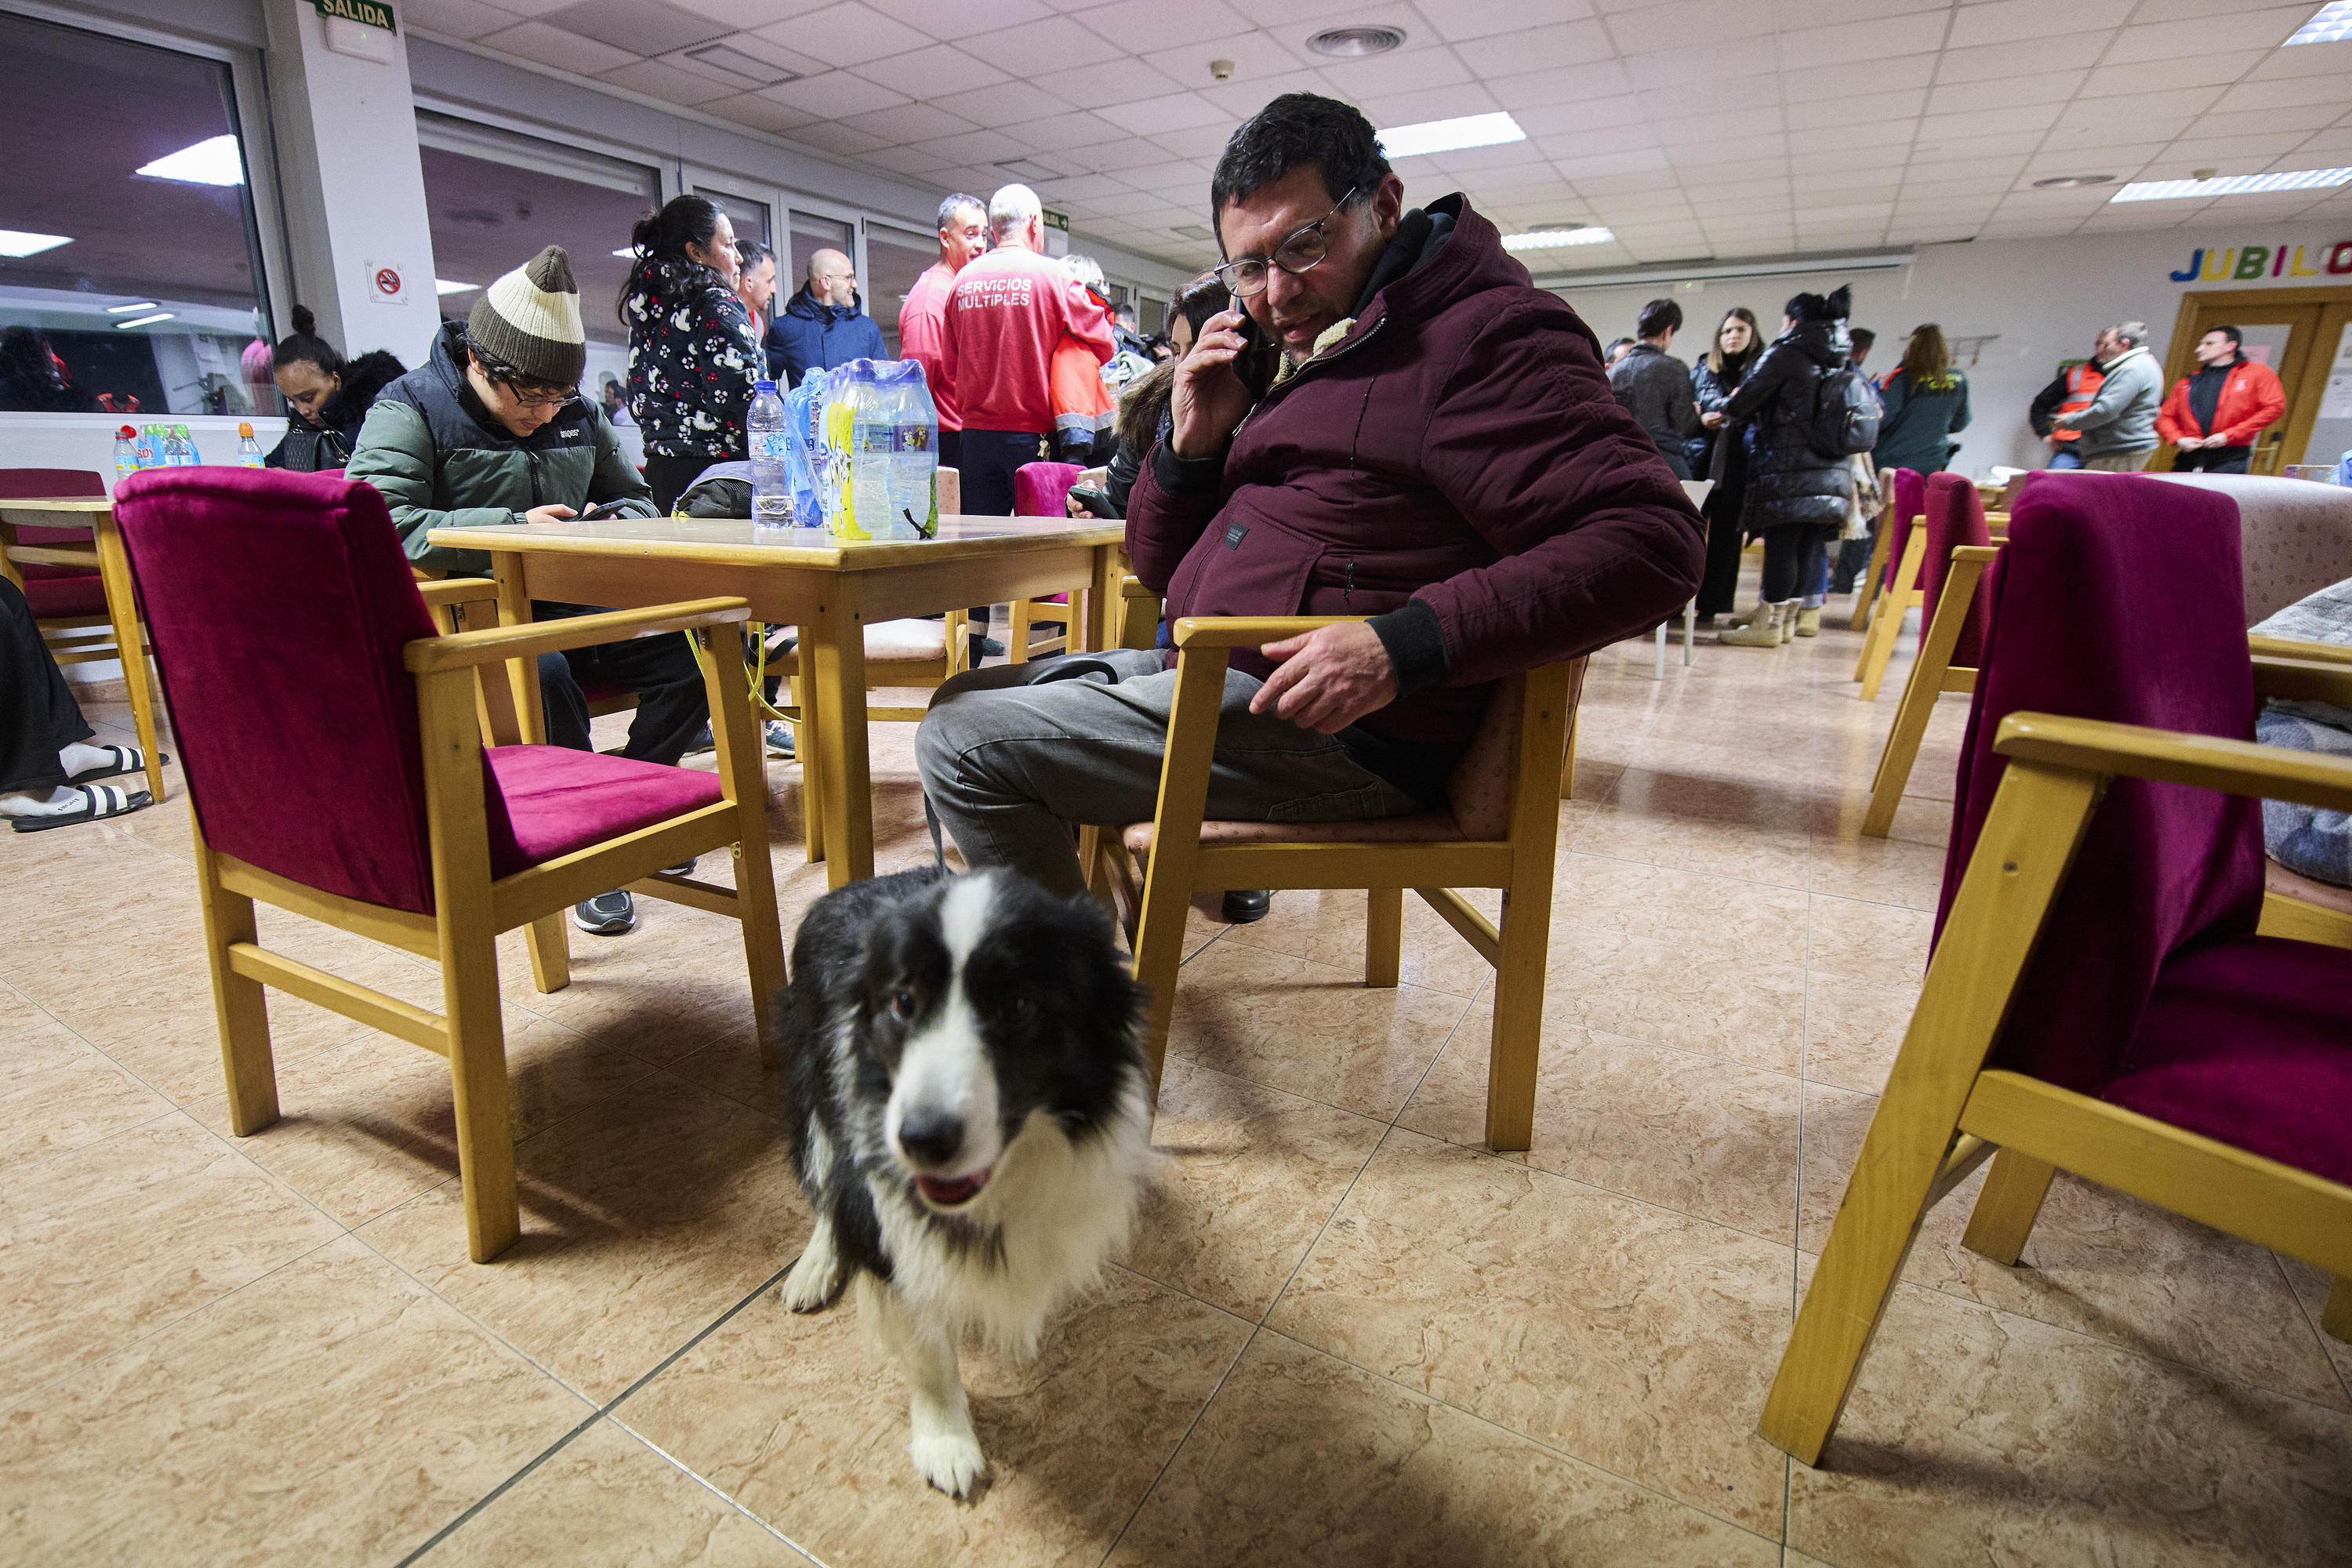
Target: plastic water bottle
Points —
{"points": [[914, 484], [126, 454], [189, 457], [772, 499], [248, 450], [175, 451], [150, 446]]}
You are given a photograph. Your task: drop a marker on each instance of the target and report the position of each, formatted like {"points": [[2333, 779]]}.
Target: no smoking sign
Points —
{"points": [[386, 283]]}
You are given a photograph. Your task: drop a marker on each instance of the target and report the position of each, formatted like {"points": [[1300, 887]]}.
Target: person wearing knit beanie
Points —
{"points": [[529, 322]]}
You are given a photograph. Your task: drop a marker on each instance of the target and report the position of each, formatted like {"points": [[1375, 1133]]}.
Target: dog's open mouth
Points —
{"points": [[951, 1192]]}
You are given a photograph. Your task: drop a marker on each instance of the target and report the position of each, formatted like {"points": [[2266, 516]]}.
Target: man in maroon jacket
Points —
{"points": [[1393, 425]]}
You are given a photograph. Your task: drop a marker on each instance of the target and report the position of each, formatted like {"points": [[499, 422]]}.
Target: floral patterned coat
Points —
{"points": [[693, 356]]}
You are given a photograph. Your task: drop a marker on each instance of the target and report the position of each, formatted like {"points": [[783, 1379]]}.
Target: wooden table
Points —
{"points": [[831, 589], [95, 513]]}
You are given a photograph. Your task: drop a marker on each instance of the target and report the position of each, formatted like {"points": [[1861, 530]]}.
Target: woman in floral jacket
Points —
{"points": [[693, 352]]}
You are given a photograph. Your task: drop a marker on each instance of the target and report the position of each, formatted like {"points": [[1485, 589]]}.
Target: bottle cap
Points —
{"points": [[759, 386], [126, 434], [243, 430]]}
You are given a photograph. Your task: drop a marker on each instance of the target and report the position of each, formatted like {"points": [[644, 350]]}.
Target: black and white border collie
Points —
{"points": [[971, 1121]]}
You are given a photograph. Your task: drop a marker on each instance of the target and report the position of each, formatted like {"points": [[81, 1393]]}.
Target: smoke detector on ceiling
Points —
{"points": [[1222, 70], [1355, 43]]}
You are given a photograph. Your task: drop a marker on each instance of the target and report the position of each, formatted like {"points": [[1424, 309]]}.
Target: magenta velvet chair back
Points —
{"points": [[278, 604], [1042, 490], [2089, 621], [1910, 500], [29, 484], [1954, 516]]}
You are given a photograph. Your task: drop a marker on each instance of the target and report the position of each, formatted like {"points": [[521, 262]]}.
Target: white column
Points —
{"points": [[354, 188]]}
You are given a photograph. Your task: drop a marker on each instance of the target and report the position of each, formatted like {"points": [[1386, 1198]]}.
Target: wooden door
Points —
{"points": [[2301, 334]]}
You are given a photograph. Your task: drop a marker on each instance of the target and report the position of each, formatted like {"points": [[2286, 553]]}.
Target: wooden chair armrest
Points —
{"points": [[1248, 631], [2288, 648], [2307, 679], [2201, 762], [1987, 552], [457, 590], [494, 644]]}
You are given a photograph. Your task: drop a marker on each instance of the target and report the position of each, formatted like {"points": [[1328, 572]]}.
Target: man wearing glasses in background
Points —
{"points": [[493, 430], [1392, 425]]}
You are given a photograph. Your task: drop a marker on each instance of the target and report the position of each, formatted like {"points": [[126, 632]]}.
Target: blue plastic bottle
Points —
{"points": [[150, 446], [771, 497], [189, 457]]}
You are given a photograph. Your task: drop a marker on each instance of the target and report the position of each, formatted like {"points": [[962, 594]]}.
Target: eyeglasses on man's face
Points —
{"points": [[1300, 251], [536, 397]]}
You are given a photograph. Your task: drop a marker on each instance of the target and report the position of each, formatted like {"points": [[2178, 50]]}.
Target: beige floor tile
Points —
{"points": [[1783, 857], [2311, 1288], [1248, 1176], [57, 1091], [114, 1240], [2099, 1262], [608, 1499], [1854, 1028], [1708, 1137], [1976, 1437], [1719, 1004], [333, 1412], [1696, 911], [367, 1126], [1302, 1458], [732, 1068], [1631, 1337], [645, 1216], [672, 986], [1857, 941], [785, 1414], [1329, 928], [1878, 870], [1308, 1028]]}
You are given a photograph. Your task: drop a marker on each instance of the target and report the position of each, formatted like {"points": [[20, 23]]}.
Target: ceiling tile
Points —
{"points": [[833, 96], [1599, 139], [1672, 26], [1063, 133], [2163, 76], [2175, 41], [1438, 103], [1176, 111], [554, 46], [1869, 108], [1594, 115], [2008, 21], [668, 83], [1381, 75], [2016, 118], [1577, 171], [2306, 59], [910, 122], [2001, 92], [1058, 40], [912, 162], [1676, 130], [1003, 104], [952, 19], [976, 150], [1202, 142], [1138, 26], [1887, 38], [459, 19], [640, 28], [2279, 117], [1605, 79], [2268, 95], [1092, 87], [1116, 155], [932, 72], [760, 113], [734, 13], [1844, 81], [1685, 70], [1830, 138], [847, 33], [832, 136], [1263, 71], [2067, 51], [761, 52]]}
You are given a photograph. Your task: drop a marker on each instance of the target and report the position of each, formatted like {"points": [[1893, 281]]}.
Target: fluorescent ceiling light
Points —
{"points": [[214, 161], [1760, 268], [443, 285], [142, 321], [1450, 135], [126, 309], [2232, 185], [17, 242], [2330, 24], [1554, 239]]}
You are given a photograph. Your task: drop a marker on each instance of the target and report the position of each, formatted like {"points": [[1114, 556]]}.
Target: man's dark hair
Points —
{"points": [[751, 253], [1658, 318], [1862, 337], [956, 203], [1614, 344], [1297, 128], [2236, 337]]}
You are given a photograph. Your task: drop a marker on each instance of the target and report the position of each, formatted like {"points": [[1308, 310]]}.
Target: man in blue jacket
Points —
{"points": [[822, 326]]}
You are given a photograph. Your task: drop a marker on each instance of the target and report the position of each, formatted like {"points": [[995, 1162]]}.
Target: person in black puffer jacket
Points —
{"points": [[1719, 452], [1797, 498], [693, 353], [327, 396]]}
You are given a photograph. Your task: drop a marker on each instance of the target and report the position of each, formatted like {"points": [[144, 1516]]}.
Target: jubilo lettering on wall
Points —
{"points": [[2243, 263]]}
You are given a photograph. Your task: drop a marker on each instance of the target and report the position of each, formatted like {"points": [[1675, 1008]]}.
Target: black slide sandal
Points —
{"points": [[128, 760], [98, 803]]}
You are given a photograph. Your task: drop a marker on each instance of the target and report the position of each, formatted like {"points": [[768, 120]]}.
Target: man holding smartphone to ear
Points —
{"points": [[1394, 423], [493, 430]]}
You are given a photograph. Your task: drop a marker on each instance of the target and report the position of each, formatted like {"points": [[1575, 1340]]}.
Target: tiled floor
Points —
{"points": [[1345, 1334]]}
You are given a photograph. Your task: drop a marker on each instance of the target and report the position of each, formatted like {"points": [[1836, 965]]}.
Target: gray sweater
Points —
{"points": [[2122, 418]]}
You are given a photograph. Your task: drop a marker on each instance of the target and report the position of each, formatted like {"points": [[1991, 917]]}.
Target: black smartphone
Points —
{"points": [[1094, 500], [601, 509]]}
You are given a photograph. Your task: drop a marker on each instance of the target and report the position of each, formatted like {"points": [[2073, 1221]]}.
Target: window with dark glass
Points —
{"points": [[895, 259], [130, 265]]}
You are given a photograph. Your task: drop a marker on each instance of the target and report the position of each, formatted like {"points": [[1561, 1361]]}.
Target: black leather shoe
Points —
{"points": [[1242, 908]]}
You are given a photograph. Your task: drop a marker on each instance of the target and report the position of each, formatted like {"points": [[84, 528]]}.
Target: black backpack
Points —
{"points": [[1846, 412]]}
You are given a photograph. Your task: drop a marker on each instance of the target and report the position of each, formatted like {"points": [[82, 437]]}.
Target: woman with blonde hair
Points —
{"points": [[1927, 401]]}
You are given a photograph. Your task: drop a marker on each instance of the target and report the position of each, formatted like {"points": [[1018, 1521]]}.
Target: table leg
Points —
{"points": [[1106, 602], [837, 662], [808, 748], [129, 642], [514, 610]]}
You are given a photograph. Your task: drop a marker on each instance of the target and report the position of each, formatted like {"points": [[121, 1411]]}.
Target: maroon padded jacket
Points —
{"points": [[1456, 455]]}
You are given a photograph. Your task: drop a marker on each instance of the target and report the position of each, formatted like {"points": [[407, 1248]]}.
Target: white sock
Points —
{"points": [[81, 756], [52, 803]]}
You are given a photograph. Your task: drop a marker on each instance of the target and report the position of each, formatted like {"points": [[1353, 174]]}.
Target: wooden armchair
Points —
{"points": [[1907, 547], [333, 750], [1954, 556], [1903, 492], [2108, 993], [1502, 831]]}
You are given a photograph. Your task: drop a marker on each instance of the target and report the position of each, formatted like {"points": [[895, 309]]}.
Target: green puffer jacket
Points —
{"points": [[442, 460]]}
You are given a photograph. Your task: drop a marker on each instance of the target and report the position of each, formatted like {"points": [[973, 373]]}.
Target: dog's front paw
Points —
{"points": [[950, 1461], [813, 1281]]}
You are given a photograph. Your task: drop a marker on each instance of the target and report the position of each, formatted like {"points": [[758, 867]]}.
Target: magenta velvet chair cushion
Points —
{"points": [[1042, 490], [548, 801], [2090, 621], [278, 604], [28, 484], [1954, 516], [2248, 1041]]}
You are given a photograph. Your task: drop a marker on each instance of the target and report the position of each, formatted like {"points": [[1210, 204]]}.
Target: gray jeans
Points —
{"points": [[1011, 770]]}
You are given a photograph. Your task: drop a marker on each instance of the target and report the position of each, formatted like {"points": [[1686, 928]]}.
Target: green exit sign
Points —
{"points": [[367, 13]]}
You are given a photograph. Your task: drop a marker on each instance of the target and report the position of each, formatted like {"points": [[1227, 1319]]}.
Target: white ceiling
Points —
{"points": [[1691, 128]]}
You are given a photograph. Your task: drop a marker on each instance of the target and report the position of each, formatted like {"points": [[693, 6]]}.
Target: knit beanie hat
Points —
{"points": [[530, 318]]}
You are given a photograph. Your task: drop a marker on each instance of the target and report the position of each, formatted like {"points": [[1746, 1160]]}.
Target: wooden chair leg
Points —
{"points": [[2336, 1317], [1887, 625], [550, 946], [131, 646], [1384, 939], [763, 945], [1919, 693], [478, 1081], [1017, 639], [1514, 1051], [240, 1006], [2008, 1206], [1867, 594], [1176, 842]]}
